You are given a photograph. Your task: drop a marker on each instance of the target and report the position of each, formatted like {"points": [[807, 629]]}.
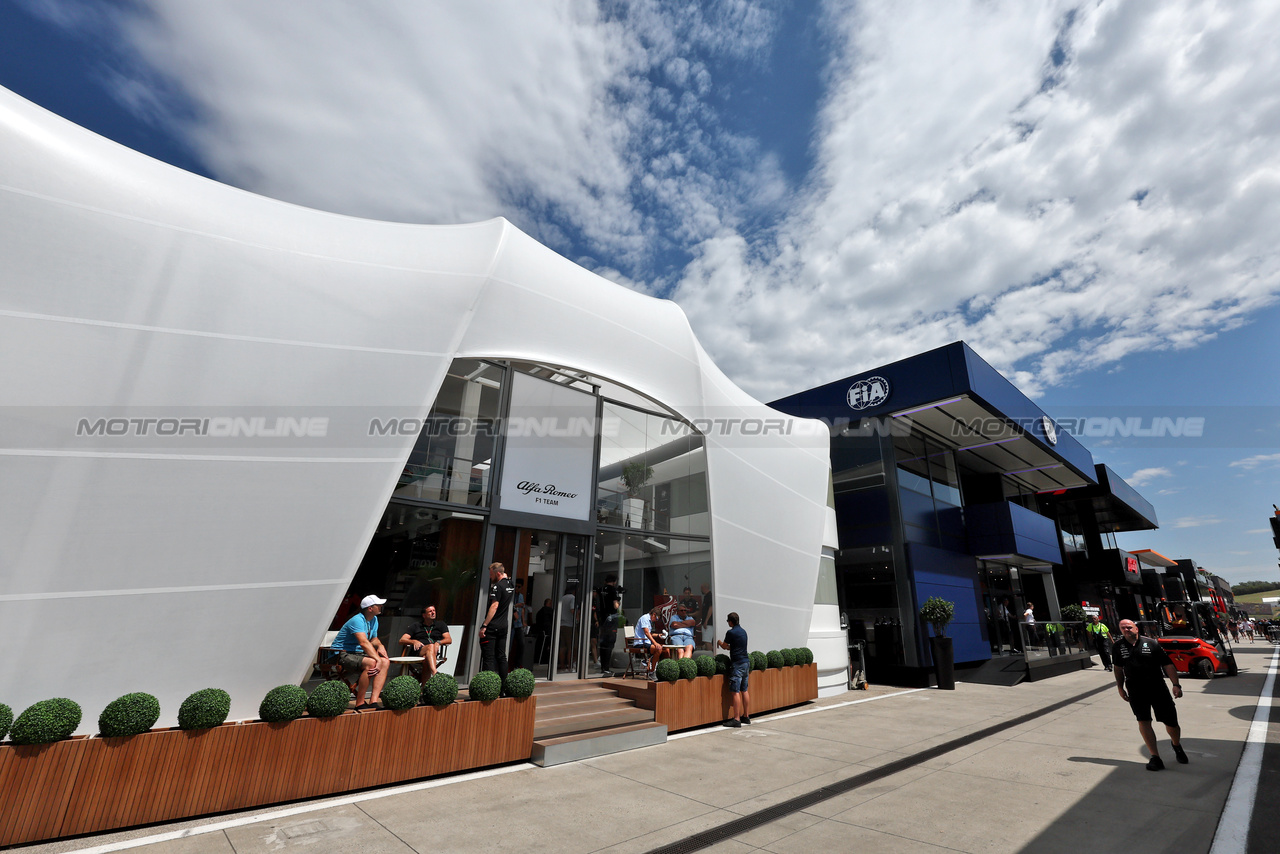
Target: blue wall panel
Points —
{"points": [[954, 577]]}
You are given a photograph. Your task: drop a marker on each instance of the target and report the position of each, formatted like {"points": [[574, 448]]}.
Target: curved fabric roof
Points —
{"points": [[132, 289]]}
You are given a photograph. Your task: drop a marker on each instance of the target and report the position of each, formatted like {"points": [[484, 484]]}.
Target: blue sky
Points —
{"points": [[1087, 193]]}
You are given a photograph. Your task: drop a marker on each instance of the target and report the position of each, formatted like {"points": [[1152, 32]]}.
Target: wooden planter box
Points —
{"points": [[688, 703], [88, 785]]}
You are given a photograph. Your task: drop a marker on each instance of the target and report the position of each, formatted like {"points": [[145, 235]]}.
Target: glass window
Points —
{"points": [[454, 453], [827, 592], [942, 471], [653, 473], [913, 464], [856, 462], [657, 571]]}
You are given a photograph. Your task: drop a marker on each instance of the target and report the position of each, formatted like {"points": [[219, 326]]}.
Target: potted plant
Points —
{"points": [[938, 612], [635, 475]]}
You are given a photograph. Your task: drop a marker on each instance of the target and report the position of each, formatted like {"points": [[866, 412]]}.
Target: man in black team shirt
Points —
{"points": [[1138, 662], [493, 632]]}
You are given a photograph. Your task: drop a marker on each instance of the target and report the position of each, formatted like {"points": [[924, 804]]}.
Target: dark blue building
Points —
{"points": [[943, 473]]}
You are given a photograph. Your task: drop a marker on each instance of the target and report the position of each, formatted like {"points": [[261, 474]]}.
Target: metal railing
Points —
{"points": [[1043, 641]]}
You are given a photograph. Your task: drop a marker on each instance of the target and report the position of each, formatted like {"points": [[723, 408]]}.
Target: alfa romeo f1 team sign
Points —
{"points": [[872, 391], [548, 465]]}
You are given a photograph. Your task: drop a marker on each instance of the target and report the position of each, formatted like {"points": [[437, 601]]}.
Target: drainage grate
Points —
{"points": [[751, 821]]}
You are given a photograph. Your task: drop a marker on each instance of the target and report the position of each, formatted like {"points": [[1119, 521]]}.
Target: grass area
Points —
{"points": [[1257, 598]]}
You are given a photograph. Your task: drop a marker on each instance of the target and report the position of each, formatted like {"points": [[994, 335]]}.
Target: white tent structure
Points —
{"points": [[130, 290]]}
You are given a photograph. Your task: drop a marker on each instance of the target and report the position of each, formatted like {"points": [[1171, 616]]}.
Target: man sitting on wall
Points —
{"points": [[360, 651], [649, 640], [425, 637]]}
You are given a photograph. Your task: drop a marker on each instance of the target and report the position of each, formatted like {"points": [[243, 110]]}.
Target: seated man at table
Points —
{"points": [[360, 651], [649, 640], [681, 632], [425, 637]]}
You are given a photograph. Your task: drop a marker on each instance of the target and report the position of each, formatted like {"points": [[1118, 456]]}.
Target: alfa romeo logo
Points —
{"points": [[872, 391]]}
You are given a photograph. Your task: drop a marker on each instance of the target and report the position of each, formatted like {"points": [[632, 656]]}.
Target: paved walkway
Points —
{"points": [[1072, 779]]}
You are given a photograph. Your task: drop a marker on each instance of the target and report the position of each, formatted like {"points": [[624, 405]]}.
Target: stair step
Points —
{"points": [[568, 699], [569, 748], [568, 706], [588, 723]]}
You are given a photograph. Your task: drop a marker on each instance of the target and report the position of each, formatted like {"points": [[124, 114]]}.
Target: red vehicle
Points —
{"points": [[1189, 633]]}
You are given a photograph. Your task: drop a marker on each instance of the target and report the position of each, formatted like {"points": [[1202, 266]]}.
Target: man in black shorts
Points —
{"points": [[1139, 662]]}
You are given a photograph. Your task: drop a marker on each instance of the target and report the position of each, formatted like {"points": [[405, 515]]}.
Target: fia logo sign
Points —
{"points": [[872, 391]]}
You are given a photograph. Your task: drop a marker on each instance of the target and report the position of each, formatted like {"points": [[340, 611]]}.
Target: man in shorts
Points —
{"points": [[359, 651], [735, 640], [1139, 662], [648, 639], [425, 637]]}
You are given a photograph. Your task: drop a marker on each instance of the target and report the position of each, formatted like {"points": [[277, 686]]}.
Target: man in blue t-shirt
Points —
{"points": [[359, 651], [735, 640], [648, 639]]}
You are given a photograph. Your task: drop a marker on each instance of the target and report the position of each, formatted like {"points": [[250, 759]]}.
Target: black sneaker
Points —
{"points": [[1155, 764], [746, 719], [1180, 754], [608, 674], [732, 722]]}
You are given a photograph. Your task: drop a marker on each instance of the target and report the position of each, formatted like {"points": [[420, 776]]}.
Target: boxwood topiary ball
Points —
{"points": [[688, 670], [46, 721], [806, 655], [403, 692], [519, 683], [441, 690], [284, 703], [758, 661], [485, 686], [667, 670], [129, 715], [788, 657], [722, 664], [204, 709], [774, 659], [6, 720], [329, 699], [706, 665]]}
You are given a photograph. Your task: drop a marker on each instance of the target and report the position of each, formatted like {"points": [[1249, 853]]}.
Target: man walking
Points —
{"points": [[1101, 639], [735, 640], [1139, 662], [493, 632]]}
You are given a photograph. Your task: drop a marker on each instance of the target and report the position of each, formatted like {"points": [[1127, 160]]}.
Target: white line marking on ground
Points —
{"points": [[1232, 835], [315, 806]]}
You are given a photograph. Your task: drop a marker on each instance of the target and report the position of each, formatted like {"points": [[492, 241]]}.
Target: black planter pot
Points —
{"points": [[944, 663]]}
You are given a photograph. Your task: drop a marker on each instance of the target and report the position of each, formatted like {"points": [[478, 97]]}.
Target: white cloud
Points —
{"points": [[1144, 476], [1196, 521], [1059, 186], [1256, 462]]}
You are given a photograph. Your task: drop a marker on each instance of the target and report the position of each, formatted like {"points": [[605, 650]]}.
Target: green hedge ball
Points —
{"points": [[688, 669], [788, 657], [131, 714], [400, 693], [774, 659], [441, 690], [329, 699], [806, 655], [519, 683], [283, 703], [758, 661], [485, 686], [722, 664], [46, 721], [667, 670], [204, 709], [706, 665]]}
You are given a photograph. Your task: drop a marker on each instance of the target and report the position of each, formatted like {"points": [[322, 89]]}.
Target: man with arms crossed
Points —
{"points": [[735, 640], [1138, 662], [360, 651]]}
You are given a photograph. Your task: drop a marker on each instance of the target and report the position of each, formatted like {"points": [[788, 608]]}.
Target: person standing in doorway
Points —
{"points": [[517, 627], [610, 600], [735, 640], [1139, 663], [568, 619], [493, 631], [1015, 637]]}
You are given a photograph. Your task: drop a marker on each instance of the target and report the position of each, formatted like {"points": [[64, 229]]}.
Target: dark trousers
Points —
{"points": [[493, 650], [1100, 641], [517, 647], [608, 637]]}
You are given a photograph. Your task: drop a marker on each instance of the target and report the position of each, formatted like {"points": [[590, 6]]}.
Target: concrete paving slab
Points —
{"points": [[343, 830], [206, 843], [834, 836], [642, 842]]}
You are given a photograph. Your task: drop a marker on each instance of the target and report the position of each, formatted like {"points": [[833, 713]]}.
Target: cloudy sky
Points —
{"points": [[1087, 193]]}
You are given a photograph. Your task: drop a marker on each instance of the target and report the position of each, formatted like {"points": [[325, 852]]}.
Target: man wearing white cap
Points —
{"points": [[359, 650]]}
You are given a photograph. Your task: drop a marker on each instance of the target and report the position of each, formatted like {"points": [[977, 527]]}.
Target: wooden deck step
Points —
{"points": [[591, 722], [584, 745]]}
